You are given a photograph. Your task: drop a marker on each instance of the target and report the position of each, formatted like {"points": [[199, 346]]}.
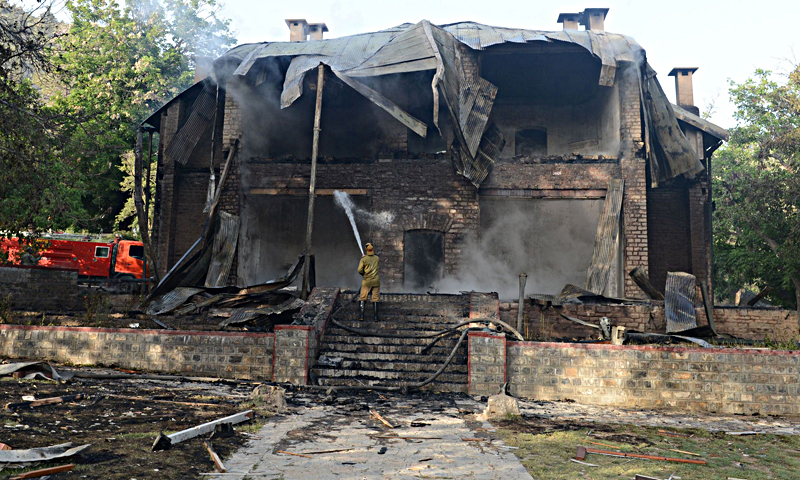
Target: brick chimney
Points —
{"points": [[594, 19], [298, 29], [570, 20], [684, 94], [316, 30]]}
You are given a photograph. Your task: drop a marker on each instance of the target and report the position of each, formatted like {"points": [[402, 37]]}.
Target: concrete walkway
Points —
{"points": [[364, 453]]}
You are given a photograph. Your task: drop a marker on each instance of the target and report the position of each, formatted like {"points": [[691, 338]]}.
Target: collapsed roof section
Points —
{"points": [[469, 98]]}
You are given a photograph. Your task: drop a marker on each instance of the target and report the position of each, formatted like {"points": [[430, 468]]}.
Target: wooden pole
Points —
{"points": [[145, 286], [137, 201], [313, 181]]}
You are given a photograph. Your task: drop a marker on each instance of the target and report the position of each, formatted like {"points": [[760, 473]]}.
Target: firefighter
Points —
{"points": [[29, 259], [368, 268]]}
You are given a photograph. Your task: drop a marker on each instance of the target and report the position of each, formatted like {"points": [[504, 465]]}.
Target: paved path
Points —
{"points": [[318, 428]]}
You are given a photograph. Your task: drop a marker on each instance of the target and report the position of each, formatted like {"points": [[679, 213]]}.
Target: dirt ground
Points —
{"points": [[122, 430]]}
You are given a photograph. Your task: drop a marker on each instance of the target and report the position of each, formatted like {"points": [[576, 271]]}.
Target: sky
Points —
{"points": [[725, 40]]}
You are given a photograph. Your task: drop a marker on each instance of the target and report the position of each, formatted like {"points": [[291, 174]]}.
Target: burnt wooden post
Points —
{"points": [[313, 181], [137, 201]]}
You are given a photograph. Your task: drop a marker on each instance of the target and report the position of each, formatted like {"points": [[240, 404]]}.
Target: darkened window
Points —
{"points": [[432, 143], [136, 251], [530, 142], [423, 264], [101, 252]]}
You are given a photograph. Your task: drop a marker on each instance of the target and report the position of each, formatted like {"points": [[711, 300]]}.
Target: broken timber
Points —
{"points": [[164, 442], [381, 419], [44, 471], [45, 401], [606, 240], [583, 451], [639, 277], [217, 461], [313, 182]]}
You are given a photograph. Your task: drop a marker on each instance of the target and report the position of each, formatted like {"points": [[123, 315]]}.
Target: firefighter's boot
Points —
{"points": [[375, 310], [362, 306]]}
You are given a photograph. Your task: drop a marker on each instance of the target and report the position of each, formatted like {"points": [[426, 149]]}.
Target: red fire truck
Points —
{"points": [[120, 259]]}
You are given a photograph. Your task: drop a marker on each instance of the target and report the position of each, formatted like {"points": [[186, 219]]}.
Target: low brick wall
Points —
{"points": [[294, 347], [732, 381], [745, 322], [37, 288], [196, 353], [486, 363]]}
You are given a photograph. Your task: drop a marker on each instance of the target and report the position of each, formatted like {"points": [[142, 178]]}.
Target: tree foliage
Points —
{"points": [[757, 190], [38, 188], [119, 63]]}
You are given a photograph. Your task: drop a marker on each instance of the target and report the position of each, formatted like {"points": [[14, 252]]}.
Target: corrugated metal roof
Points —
{"points": [[469, 98]]}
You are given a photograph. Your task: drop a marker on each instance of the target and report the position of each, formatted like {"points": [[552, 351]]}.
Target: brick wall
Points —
{"points": [[37, 288], [486, 360], [731, 381], [294, 345], [632, 163], [668, 232], [750, 323], [216, 354]]}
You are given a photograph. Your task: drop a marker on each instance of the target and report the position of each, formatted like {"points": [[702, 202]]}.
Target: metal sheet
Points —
{"points": [[197, 122], [171, 300], [469, 98], [679, 311], [606, 240], [222, 252]]}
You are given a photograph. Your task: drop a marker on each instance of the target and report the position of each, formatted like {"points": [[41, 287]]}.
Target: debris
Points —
{"points": [[217, 461], [763, 293], [30, 370], [142, 399], [326, 361], [41, 454], [423, 424], [45, 401], [582, 451], [163, 442], [673, 434], [397, 437], [618, 335], [602, 444], [639, 277], [381, 419], [679, 311], [223, 430], [295, 454], [642, 477], [4, 446], [43, 472], [274, 398], [474, 439], [742, 433], [328, 451], [583, 463], [500, 405], [685, 452], [708, 304], [382, 451]]}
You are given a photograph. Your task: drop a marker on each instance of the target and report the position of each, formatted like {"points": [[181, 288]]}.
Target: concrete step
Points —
{"points": [[395, 360], [458, 365], [436, 386], [407, 377], [386, 352]]}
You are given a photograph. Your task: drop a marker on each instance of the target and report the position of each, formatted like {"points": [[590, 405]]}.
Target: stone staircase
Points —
{"points": [[350, 359]]}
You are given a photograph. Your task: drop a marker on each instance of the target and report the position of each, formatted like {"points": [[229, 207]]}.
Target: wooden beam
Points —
{"points": [[217, 461], [165, 441], [327, 192], [585, 194], [390, 107], [43, 472], [640, 279], [313, 181]]}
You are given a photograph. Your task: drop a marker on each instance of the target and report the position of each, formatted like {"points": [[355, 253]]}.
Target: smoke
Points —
{"points": [[550, 240]]}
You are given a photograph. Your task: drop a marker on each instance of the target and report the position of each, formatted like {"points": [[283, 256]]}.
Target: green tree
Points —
{"points": [[119, 63], [757, 190], [38, 185]]}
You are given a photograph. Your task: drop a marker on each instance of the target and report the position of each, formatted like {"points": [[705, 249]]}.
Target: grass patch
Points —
{"points": [[546, 452]]}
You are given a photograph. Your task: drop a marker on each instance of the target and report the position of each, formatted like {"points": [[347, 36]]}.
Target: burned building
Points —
{"points": [[490, 151]]}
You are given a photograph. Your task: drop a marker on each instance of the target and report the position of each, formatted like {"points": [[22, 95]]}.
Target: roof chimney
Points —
{"points": [[298, 29], [316, 30], [684, 96], [594, 19], [570, 20]]}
